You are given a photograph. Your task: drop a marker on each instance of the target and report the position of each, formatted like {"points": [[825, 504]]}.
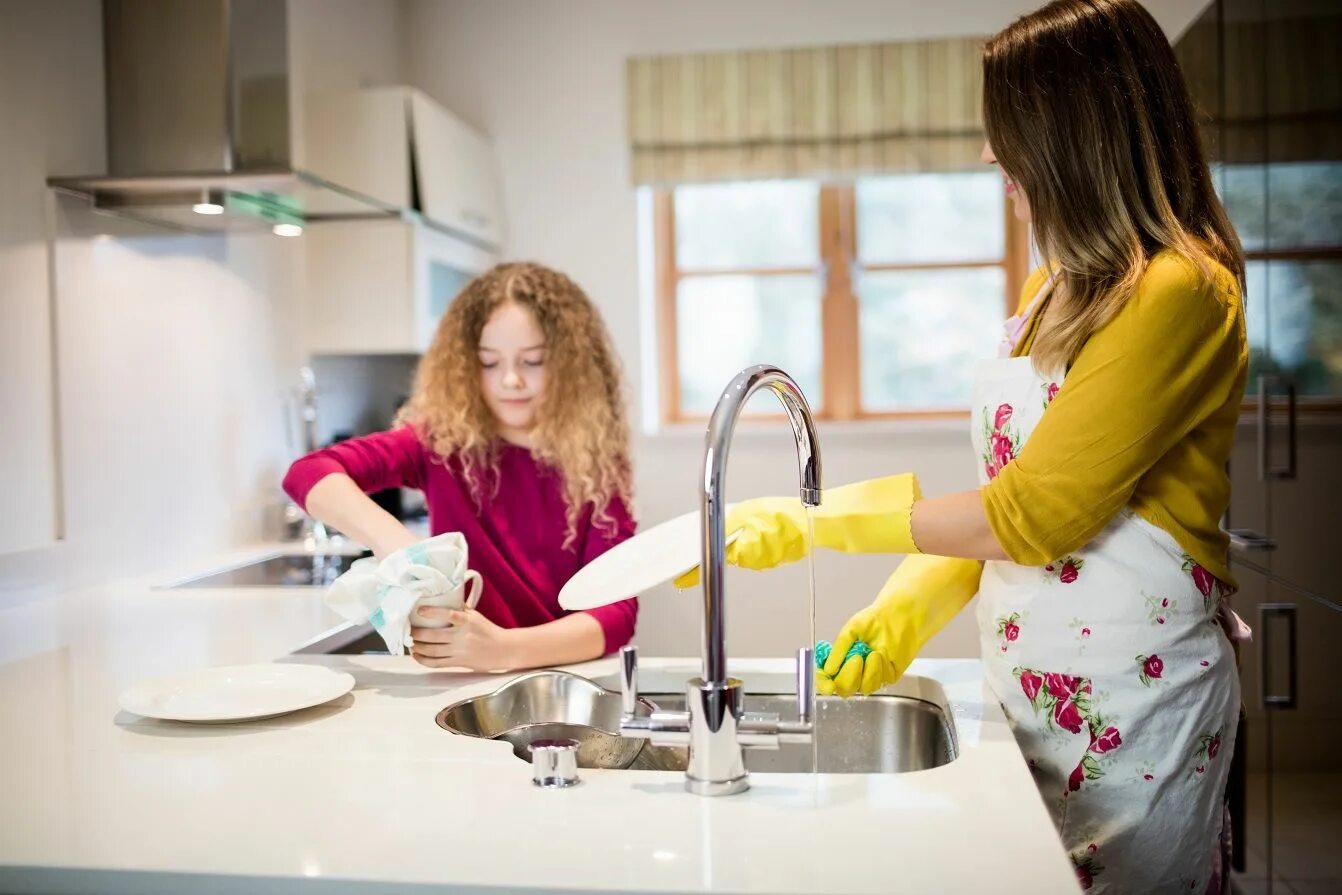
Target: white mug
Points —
{"points": [[464, 596]]}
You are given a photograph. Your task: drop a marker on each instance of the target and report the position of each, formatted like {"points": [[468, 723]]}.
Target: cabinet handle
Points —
{"points": [[1285, 611], [1248, 539], [1265, 469], [1288, 471]]}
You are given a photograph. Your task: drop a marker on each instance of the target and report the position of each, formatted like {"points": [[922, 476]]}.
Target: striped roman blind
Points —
{"points": [[811, 112]]}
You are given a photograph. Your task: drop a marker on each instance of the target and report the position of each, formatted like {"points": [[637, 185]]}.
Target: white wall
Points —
{"points": [[176, 353], [173, 352], [342, 45], [546, 82], [60, 130], [175, 356]]}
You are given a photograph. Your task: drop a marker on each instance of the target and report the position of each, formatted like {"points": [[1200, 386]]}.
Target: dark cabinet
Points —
{"points": [[1267, 78], [1292, 748], [1286, 562]]}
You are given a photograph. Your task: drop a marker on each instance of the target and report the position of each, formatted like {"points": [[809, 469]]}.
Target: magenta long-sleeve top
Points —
{"points": [[515, 537]]}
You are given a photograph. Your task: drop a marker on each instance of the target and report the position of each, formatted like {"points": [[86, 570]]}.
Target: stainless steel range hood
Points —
{"points": [[202, 122]]}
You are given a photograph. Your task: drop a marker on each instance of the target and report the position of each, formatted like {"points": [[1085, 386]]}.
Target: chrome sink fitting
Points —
{"points": [[714, 724]]}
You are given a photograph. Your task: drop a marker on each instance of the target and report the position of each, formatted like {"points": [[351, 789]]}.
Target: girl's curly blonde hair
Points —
{"points": [[581, 429]]}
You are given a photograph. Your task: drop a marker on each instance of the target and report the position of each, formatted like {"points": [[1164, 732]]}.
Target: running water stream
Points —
{"points": [[810, 573]]}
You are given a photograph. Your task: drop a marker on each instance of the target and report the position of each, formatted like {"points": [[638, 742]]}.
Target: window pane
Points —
{"points": [[727, 323], [1304, 205], [922, 332], [913, 218], [1244, 194], [772, 223], [1294, 317], [1300, 203]]}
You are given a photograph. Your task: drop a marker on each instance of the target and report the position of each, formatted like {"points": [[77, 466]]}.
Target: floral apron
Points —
{"points": [[1115, 676]]}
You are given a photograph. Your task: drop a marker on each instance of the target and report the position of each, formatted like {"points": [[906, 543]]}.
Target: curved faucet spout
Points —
{"points": [[713, 508]]}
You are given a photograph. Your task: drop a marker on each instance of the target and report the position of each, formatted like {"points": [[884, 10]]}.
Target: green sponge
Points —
{"points": [[823, 648]]}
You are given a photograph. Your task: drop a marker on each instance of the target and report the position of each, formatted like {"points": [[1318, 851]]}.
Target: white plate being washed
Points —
{"points": [[653, 556], [236, 693]]}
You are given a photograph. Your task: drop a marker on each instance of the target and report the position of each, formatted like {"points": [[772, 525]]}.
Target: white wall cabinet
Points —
{"points": [[454, 166], [380, 287], [399, 147]]}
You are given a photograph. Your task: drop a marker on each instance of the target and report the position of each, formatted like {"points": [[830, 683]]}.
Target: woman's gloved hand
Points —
{"points": [[917, 601], [864, 517]]}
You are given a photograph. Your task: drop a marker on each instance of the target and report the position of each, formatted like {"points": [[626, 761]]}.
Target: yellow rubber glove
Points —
{"points": [[917, 601], [864, 517]]}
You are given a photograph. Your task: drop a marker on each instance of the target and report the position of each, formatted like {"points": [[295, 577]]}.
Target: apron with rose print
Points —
{"points": [[1115, 676]]}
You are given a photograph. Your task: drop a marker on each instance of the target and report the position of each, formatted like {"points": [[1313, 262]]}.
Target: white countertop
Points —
{"points": [[369, 789]]}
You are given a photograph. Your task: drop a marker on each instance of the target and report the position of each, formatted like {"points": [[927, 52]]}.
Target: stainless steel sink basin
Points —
{"points": [[298, 570], [864, 735], [548, 705]]}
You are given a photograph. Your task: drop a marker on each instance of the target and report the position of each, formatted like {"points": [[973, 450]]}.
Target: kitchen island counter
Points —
{"points": [[367, 794]]}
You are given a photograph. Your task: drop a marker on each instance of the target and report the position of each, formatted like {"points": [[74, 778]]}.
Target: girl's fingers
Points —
{"points": [[434, 647], [439, 614], [432, 650], [433, 635]]}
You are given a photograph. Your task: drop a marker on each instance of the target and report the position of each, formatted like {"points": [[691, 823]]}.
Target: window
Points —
{"points": [[877, 296], [1289, 219]]}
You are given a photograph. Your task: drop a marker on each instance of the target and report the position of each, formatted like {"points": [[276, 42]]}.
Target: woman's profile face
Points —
{"points": [[512, 368], [1020, 205]]}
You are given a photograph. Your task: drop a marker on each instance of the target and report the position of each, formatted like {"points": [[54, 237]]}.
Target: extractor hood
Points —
{"points": [[203, 122]]}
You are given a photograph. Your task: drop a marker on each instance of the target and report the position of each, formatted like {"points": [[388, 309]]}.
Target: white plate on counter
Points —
{"points": [[651, 557], [236, 693]]}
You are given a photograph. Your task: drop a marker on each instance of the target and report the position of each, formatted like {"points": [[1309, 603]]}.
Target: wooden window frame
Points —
{"points": [[841, 364]]}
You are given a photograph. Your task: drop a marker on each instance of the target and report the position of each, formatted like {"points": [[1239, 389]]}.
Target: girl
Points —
{"points": [[516, 434], [1102, 433]]}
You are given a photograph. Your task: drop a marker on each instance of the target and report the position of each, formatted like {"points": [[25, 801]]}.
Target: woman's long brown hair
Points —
{"points": [[1087, 111], [580, 431]]}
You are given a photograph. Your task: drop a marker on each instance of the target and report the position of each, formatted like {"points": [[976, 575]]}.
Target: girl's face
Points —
{"points": [[1019, 204], [512, 370]]}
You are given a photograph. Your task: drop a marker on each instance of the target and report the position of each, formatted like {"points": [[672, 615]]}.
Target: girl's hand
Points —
{"points": [[471, 641]]}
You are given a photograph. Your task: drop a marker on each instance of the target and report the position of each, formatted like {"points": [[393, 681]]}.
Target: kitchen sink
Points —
{"points": [[882, 734], [285, 570], [863, 735]]}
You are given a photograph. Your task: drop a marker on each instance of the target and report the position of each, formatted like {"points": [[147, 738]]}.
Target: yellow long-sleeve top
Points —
{"points": [[1145, 418]]}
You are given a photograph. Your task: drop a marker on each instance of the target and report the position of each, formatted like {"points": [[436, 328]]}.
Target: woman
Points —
{"points": [[1103, 433], [516, 434]]}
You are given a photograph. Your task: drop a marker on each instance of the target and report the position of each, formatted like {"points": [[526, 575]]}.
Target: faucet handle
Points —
{"points": [[629, 680], [805, 683]]}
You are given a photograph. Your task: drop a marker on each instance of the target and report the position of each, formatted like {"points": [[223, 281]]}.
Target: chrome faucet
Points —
{"points": [[714, 725], [299, 526]]}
